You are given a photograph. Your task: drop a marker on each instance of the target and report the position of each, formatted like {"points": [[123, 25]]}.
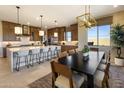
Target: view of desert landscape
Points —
{"points": [[102, 41]]}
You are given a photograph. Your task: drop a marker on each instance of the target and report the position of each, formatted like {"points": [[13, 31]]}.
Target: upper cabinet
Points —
{"points": [[34, 33], [59, 30], [26, 30], [50, 32], [9, 33], [74, 30]]}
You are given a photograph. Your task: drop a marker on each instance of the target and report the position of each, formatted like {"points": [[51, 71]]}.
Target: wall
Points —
{"points": [[82, 37], [1, 50]]}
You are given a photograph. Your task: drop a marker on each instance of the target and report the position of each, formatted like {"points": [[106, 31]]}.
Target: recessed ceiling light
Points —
{"points": [[115, 6]]}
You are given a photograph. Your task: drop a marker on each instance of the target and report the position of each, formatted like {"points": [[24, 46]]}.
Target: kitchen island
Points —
{"points": [[12, 59]]}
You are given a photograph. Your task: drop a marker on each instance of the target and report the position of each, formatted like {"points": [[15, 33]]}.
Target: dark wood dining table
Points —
{"points": [[89, 67]]}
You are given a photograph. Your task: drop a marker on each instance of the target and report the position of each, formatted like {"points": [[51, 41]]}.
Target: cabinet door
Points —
{"points": [[74, 30], [34, 33], [50, 32], [61, 32], [26, 30], [8, 31]]}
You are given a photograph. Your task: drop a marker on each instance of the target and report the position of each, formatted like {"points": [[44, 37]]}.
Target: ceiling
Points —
{"points": [[64, 14]]}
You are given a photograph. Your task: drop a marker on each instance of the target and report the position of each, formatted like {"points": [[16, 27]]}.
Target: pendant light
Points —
{"points": [[56, 33], [41, 32], [18, 28], [86, 19]]}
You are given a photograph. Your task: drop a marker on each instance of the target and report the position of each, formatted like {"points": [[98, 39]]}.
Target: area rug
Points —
{"points": [[116, 79], [44, 82]]}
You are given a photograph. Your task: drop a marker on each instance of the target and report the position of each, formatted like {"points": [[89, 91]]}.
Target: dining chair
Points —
{"points": [[103, 66], [70, 52], [107, 58], [62, 77], [76, 50], [101, 77], [60, 55], [63, 54]]}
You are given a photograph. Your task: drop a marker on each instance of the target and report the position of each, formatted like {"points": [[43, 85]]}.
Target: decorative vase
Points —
{"points": [[86, 54], [119, 61]]}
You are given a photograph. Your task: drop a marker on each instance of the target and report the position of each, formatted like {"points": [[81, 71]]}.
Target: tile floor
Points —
{"points": [[22, 78]]}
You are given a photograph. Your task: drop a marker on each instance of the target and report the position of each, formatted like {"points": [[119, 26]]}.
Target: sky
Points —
{"points": [[104, 32]]}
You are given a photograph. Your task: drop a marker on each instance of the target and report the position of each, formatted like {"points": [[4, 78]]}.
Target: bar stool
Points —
{"points": [[55, 52], [49, 54], [35, 56], [21, 58], [45, 50], [41, 56], [30, 58]]}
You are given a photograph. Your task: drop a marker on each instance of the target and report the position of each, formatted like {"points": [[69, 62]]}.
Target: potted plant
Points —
{"points": [[117, 36], [86, 51]]}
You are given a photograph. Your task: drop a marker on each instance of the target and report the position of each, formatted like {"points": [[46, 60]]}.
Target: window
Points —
{"points": [[103, 35], [68, 36]]}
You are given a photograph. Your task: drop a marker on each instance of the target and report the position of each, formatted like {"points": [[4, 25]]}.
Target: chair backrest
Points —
{"points": [[23, 53], [107, 68], [49, 50], [70, 52], [76, 50], [94, 49], [63, 54], [35, 51], [108, 57], [59, 69], [56, 48], [41, 50]]}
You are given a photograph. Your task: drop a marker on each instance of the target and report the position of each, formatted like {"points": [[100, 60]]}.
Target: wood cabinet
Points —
{"points": [[8, 31], [26, 30], [61, 33], [34, 33], [50, 32], [74, 30], [67, 47], [59, 30]]}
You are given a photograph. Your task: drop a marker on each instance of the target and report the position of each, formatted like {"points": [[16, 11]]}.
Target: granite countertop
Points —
{"points": [[23, 48]]}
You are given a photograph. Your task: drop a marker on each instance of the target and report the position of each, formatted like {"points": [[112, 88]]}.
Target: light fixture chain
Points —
{"points": [[18, 14], [41, 21]]}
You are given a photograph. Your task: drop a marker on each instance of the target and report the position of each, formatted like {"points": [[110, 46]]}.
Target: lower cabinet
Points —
{"points": [[68, 47], [4, 52]]}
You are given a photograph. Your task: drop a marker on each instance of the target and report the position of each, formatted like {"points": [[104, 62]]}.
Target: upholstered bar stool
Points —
{"points": [[41, 56], [55, 52], [49, 54], [45, 50], [30, 58], [21, 59], [70, 52], [35, 55]]}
